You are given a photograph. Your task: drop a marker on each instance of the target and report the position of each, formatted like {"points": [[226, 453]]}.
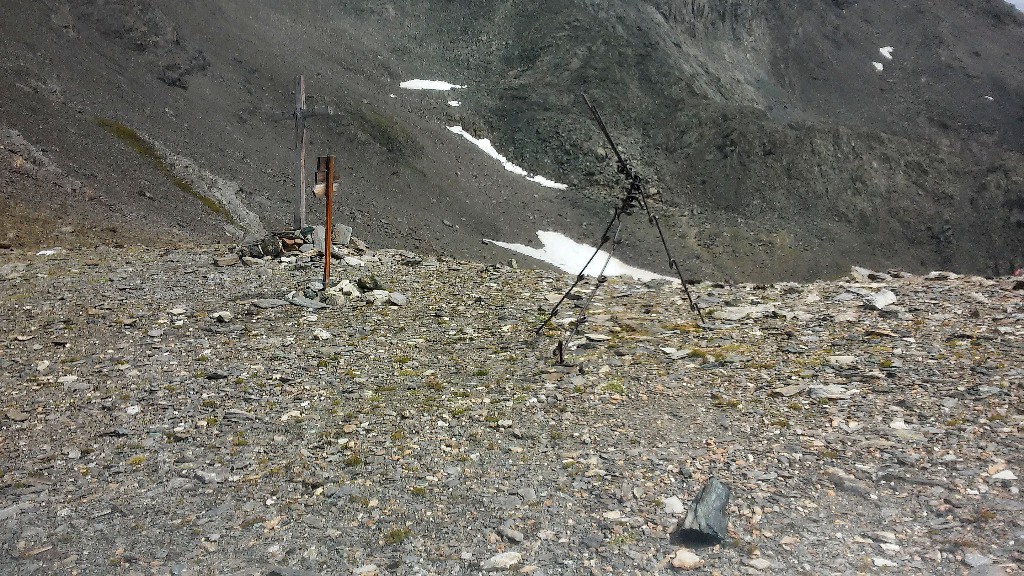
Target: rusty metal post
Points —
{"points": [[300, 152], [326, 163]]}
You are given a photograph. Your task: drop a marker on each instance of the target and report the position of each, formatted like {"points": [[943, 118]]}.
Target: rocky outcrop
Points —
{"points": [[138, 26]]}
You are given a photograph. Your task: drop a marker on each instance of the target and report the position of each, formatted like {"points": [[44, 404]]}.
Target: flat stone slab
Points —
{"points": [[266, 303], [307, 303]]}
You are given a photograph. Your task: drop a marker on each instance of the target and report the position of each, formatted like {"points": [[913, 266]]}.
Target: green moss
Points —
{"points": [[387, 132], [397, 535], [614, 387], [143, 148]]}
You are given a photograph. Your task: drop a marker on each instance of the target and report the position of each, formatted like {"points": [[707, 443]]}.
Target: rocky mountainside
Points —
{"points": [[163, 415], [776, 145]]}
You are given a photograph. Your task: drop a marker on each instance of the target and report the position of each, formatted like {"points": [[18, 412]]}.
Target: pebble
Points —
{"points": [[228, 260], [222, 316], [686, 559], [511, 533], [842, 361], [881, 299], [757, 563], [974, 559], [673, 505], [16, 415], [502, 561], [831, 392], [369, 283]]}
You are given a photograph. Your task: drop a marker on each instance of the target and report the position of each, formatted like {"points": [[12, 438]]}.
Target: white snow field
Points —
{"points": [[485, 145], [429, 85], [569, 255]]}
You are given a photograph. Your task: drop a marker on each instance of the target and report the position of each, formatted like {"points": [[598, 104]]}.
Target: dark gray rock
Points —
{"points": [[705, 522], [369, 283], [266, 246]]}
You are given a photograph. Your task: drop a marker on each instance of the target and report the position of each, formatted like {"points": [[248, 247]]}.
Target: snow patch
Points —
{"points": [[485, 145], [429, 85], [566, 254], [878, 66], [886, 52], [546, 183]]}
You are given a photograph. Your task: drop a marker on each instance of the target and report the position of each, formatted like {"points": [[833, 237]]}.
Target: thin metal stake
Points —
{"points": [[327, 232]]}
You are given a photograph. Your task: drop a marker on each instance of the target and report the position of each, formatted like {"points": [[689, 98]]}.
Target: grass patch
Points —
{"points": [[387, 132], [145, 149], [614, 387], [397, 535]]}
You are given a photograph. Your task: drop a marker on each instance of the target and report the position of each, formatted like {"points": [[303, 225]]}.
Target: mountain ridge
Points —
{"points": [[776, 148]]}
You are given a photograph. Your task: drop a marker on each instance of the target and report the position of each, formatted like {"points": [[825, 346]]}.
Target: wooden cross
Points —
{"points": [[300, 114]]}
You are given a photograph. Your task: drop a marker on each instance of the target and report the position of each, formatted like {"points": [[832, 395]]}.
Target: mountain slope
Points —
{"points": [[776, 148]]}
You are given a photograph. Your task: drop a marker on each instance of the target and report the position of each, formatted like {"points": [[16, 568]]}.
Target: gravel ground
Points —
{"points": [[163, 415]]}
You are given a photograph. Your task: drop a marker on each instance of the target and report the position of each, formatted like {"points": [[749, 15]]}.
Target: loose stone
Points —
{"points": [[502, 561]]}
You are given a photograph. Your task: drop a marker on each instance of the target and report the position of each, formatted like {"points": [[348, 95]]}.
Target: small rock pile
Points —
{"points": [[302, 248]]}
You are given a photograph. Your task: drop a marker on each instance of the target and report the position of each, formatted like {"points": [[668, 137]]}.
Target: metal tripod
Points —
{"points": [[635, 198]]}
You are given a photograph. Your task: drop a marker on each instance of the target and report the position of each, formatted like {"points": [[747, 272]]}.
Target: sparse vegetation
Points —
{"points": [[145, 149], [397, 535]]}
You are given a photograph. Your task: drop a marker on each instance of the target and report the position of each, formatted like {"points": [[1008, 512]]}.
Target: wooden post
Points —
{"points": [[327, 231], [300, 152]]}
